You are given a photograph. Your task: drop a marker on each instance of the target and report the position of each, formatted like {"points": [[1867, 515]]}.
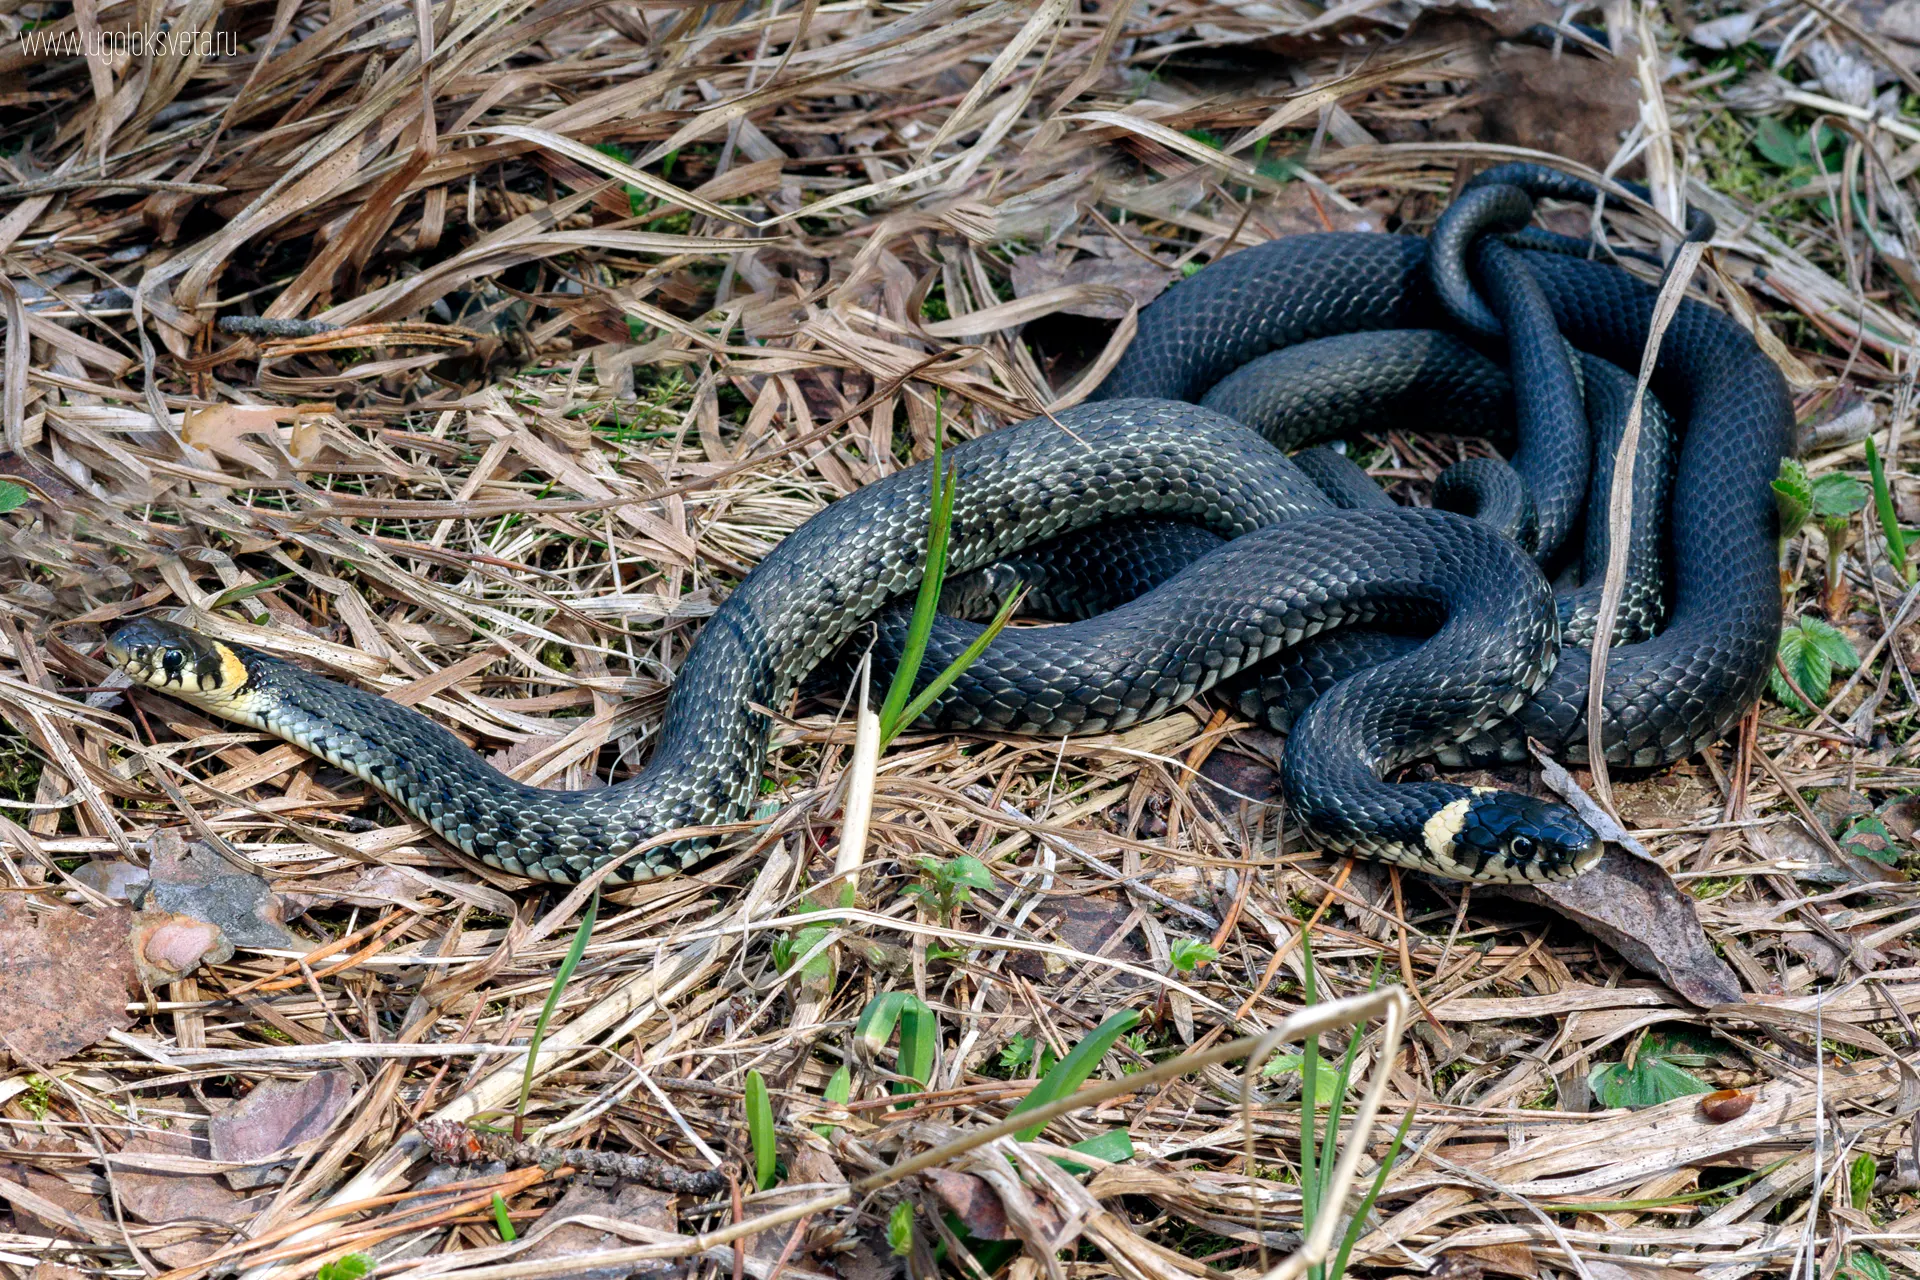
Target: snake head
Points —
{"points": [[168, 657], [1498, 835]]}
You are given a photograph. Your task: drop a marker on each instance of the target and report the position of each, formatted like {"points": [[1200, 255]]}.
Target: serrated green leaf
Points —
{"points": [[760, 1131], [1810, 650], [12, 497], [900, 1229], [354, 1266], [1832, 642], [1793, 505], [1653, 1078], [1837, 495], [1072, 1071], [1327, 1076]]}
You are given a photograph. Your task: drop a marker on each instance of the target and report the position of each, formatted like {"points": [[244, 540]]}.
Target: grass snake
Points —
{"points": [[1482, 677]]}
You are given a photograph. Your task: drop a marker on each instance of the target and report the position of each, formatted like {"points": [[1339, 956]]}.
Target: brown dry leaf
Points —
{"points": [[1495, 1259], [65, 979], [972, 1201], [1140, 280], [197, 1200], [277, 1116], [641, 1206], [1635, 908], [221, 428], [167, 947]]}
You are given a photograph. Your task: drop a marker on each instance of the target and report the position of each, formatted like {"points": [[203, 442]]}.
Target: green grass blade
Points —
{"points": [[919, 1033], [940, 683], [1359, 1223], [1883, 508], [940, 524], [501, 1222], [560, 979], [1309, 1109], [1072, 1071], [878, 1019], [839, 1089], [760, 1130]]}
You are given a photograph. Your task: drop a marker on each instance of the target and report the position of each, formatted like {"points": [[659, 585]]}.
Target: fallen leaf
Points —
{"points": [[112, 878], [1498, 1259], [1634, 907], [65, 978], [972, 1201], [186, 1199], [167, 947], [1083, 923], [220, 429], [194, 880], [277, 1116], [1142, 281]]}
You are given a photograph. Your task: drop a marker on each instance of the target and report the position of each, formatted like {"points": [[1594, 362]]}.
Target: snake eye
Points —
{"points": [[1523, 848], [172, 662]]}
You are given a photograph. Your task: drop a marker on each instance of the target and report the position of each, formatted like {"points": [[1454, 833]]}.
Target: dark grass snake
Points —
{"points": [[1451, 629]]}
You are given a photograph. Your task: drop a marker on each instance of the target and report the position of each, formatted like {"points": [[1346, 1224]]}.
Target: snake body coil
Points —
{"points": [[1485, 681]]}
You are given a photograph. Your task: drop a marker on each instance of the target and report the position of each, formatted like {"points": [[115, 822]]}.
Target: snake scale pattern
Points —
{"points": [[1397, 632]]}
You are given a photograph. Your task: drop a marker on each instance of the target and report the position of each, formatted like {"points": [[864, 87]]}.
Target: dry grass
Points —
{"points": [[624, 293]]}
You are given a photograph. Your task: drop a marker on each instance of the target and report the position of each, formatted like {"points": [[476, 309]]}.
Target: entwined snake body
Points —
{"points": [[1465, 668]]}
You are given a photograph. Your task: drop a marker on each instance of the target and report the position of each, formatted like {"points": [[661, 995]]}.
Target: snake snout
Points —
{"points": [[1513, 837], [163, 655]]}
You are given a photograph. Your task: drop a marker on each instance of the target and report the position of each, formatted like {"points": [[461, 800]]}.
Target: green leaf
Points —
{"points": [[1792, 497], [501, 1222], [561, 977], [1653, 1078], [1868, 837], [919, 1033], [1785, 148], [236, 594], [966, 873], [1113, 1146], [1860, 1176], [1883, 511], [877, 1021], [1811, 651], [1188, 954], [1861, 1265], [760, 1130], [12, 497], [839, 1089], [900, 1229], [968, 656], [1292, 1064], [354, 1266], [798, 943], [1072, 1071], [1837, 495]]}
